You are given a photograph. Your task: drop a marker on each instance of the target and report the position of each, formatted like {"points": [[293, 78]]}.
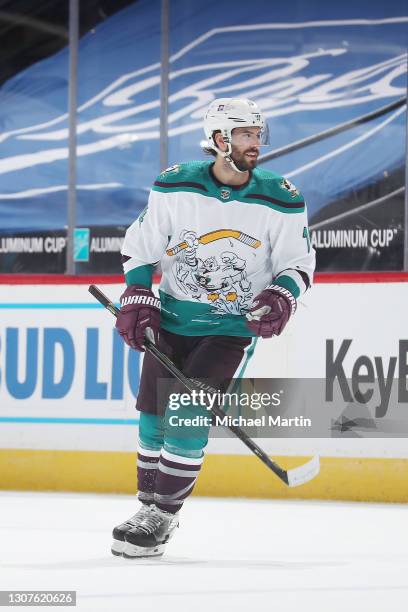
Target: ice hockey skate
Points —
{"points": [[119, 532], [150, 537]]}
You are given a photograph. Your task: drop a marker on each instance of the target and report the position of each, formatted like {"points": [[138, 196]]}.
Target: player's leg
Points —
{"points": [[151, 434], [151, 402], [216, 359], [155, 388], [179, 465]]}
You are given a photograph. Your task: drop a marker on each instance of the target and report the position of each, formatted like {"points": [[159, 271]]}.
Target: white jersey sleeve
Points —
{"points": [[293, 257], [146, 241]]}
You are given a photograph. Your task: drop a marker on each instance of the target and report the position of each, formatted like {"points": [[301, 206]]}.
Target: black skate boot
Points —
{"points": [[150, 537], [118, 532]]}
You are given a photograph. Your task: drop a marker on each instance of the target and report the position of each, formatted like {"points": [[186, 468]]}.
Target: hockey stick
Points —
{"points": [[293, 478], [218, 235]]}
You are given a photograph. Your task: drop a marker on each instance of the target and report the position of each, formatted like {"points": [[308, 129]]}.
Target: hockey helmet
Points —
{"points": [[225, 114]]}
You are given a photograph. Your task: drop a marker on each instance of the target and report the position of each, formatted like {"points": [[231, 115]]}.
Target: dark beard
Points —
{"points": [[242, 163]]}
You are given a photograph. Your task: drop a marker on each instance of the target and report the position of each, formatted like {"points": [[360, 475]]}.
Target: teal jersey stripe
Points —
{"points": [[196, 319], [274, 205], [142, 275], [183, 189], [288, 283], [236, 197]]}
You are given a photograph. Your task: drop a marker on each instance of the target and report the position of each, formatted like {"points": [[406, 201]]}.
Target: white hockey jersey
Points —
{"points": [[218, 246]]}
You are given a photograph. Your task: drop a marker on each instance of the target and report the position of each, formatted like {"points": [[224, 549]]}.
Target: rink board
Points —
{"points": [[68, 386], [341, 478]]}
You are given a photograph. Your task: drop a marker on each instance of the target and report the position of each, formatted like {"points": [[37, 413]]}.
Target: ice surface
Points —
{"points": [[228, 555]]}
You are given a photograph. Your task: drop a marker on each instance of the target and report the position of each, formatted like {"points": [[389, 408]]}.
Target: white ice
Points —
{"points": [[228, 555]]}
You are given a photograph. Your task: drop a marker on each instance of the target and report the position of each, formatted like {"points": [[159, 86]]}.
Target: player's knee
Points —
{"points": [[186, 448], [151, 431]]}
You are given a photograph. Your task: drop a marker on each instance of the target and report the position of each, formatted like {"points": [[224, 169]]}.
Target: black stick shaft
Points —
{"points": [[192, 385]]}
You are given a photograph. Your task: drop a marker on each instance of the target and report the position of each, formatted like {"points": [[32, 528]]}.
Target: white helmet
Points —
{"points": [[225, 114]]}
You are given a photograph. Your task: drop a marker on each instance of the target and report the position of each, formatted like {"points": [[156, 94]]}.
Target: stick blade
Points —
{"points": [[304, 473]]}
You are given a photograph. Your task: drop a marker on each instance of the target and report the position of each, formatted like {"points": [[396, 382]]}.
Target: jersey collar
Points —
{"points": [[232, 187]]}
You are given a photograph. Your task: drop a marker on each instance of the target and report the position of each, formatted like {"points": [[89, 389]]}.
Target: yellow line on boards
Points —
{"points": [[56, 470], [340, 478]]}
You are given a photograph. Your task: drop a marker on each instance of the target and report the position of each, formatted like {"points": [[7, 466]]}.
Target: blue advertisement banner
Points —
{"points": [[331, 80]]}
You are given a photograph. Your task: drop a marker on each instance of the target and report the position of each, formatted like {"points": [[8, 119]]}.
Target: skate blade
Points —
{"points": [[117, 548], [131, 551]]}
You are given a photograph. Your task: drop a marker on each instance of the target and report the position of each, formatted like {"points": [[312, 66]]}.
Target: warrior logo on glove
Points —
{"points": [[140, 299], [139, 313]]}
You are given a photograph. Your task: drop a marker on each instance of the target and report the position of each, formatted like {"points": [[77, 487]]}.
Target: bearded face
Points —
{"points": [[245, 159], [245, 145]]}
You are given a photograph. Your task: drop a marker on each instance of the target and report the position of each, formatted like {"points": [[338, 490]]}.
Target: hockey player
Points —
{"points": [[233, 243]]}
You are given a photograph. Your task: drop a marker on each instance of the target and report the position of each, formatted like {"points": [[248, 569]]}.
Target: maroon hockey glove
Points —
{"points": [[271, 311], [139, 311]]}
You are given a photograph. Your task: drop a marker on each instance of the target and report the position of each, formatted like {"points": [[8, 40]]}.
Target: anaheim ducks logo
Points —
{"points": [[285, 184], [217, 279], [174, 169], [225, 194]]}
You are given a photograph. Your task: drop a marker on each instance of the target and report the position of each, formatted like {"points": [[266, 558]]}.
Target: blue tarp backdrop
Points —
{"points": [[312, 67]]}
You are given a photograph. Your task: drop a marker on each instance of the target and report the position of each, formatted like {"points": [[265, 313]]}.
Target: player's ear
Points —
{"points": [[219, 141]]}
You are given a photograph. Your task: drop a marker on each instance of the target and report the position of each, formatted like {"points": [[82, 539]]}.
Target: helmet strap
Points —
{"points": [[228, 158], [227, 154]]}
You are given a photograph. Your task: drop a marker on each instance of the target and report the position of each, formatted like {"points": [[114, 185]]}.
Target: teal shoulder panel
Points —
{"points": [[190, 176], [265, 187], [275, 191]]}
